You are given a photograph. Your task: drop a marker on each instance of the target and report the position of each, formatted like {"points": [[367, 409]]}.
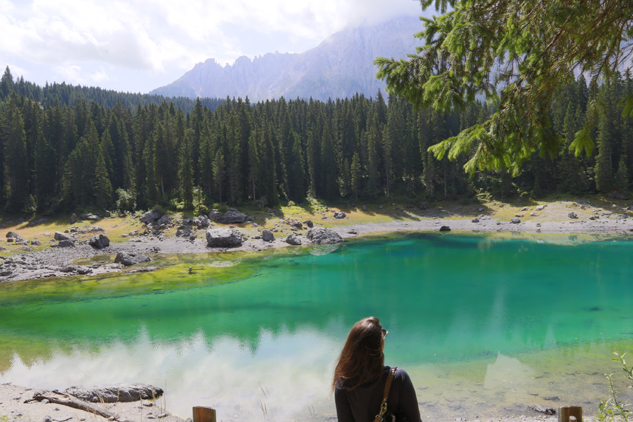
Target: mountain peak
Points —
{"points": [[340, 66]]}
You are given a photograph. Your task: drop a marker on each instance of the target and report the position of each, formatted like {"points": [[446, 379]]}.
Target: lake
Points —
{"points": [[484, 325]]}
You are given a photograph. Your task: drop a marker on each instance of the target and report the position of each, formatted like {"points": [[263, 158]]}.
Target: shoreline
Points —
{"points": [[54, 262]]}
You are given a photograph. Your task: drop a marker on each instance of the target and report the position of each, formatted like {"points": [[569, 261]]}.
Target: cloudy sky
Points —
{"points": [[139, 45]]}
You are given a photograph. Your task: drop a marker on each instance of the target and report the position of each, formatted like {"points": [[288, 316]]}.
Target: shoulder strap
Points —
{"points": [[383, 405]]}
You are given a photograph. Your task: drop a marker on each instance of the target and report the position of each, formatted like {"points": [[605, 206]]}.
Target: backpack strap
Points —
{"points": [[383, 406]]}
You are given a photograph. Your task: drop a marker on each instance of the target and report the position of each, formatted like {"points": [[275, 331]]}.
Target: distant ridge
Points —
{"points": [[341, 66]]}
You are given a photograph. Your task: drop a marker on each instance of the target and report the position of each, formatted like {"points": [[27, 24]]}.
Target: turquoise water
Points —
{"points": [[483, 325]]}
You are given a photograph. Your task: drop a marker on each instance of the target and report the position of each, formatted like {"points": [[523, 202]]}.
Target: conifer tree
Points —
{"points": [[219, 172], [186, 169], [253, 161], [16, 169]]}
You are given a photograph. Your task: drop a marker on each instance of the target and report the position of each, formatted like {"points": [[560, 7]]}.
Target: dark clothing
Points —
{"points": [[362, 404]]}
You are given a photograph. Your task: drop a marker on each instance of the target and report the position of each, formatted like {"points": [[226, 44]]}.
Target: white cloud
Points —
{"points": [[157, 37]]}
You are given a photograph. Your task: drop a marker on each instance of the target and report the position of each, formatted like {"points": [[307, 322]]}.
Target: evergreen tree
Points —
{"points": [[16, 168], [219, 171], [186, 169]]}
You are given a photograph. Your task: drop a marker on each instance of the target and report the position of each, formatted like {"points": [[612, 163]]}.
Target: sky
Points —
{"points": [[140, 45]]}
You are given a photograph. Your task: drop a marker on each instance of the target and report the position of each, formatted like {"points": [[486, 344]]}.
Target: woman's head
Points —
{"points": [[362, 359]]}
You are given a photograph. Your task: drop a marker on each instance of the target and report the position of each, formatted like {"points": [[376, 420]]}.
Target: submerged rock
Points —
{"points": [[224, 238], [122, 393], [130, 258], [542, 409], [323, 236]]}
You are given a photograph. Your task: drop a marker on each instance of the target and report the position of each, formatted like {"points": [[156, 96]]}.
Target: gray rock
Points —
{"points": [[297, 224], [339, 215], [35, 242], [12, 234], [293, 239], [99, 241], [165, 219], [309, 223], [515, 220], [130, 258], [268, 236], [323, 236], [229, 217], [224, 238], [524, 209], [123, 393], [73, 218], [572, 215], [540, 207], [66, 244], [89, 217], [475, 220], [364, 207], [150, 216], [445, 229], [61, 236]]}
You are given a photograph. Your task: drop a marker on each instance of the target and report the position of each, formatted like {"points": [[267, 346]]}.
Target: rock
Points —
{"points": [[267, 236], [130, 258], [12, 234], [150, 216], [123, 393], [36, 242], [297, 224], [541, 409], [165, 219], [592, 218], [480, 210], [445, 229], [229, 217], [73, 218], [224, 238], [89, 217], [524, 209], [538, 224], [61, 236], [27, 249], [475, 220], [540, 207], [352, 231], [293, 239], [364, 207], [533, 214], [572, 215], [309, 223], [66, 244], [339, 215], [323, 236], [99, 241], [518, 215], [515, 220]]}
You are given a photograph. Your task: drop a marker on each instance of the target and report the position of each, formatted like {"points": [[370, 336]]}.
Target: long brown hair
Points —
{"points": [[362, 359]]}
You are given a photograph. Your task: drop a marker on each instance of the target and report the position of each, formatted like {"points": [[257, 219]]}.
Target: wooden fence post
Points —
{"points": [[203, 414], [565, 412]]}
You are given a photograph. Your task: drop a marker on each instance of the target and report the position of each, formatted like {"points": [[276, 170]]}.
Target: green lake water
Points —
{"points": [[484, 326]]}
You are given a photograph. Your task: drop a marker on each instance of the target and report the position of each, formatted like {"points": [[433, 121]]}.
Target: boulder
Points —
{"points": [[540, 207], [475, 220], [150, 216], [293, 239], [130, 258], [73, 218], [572, 215], [297, 224], [61, 236], [515, 220], [224, 238], [89, 217], [122, 393], [267, 236], [66, 243], [165, 219], [323, 236], [229, 217], [12, 234], [202, 222], [364, 207], [445, 229], [309, 223], [339, 215], [99, 241]]}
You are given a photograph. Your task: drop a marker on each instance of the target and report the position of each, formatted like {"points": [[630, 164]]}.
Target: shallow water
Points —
{"points": [[483, 325]]}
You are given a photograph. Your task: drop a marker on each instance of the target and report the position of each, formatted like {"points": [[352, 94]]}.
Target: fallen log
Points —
{"points": [[66, 400]]}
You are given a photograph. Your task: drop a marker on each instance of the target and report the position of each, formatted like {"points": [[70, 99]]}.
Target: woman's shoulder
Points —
{"points": [[400, 374]]}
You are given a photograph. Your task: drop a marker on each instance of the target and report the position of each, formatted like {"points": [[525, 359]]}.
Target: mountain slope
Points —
{"points": [[340, 66]]}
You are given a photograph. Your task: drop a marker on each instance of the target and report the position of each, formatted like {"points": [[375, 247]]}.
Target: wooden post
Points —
{"points": [[565, 412], [203, 414]]}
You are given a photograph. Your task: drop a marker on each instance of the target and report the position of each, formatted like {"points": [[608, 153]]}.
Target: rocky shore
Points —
{"points": [[236, 231]]}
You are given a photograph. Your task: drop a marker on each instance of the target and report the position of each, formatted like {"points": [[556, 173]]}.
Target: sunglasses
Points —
{"points": [[384, 333]]}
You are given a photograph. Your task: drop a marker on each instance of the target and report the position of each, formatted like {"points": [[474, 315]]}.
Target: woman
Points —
{"points": [[360, 377]]}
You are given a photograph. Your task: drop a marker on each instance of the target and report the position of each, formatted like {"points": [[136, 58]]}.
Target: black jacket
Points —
{"points": [[362, 404]]}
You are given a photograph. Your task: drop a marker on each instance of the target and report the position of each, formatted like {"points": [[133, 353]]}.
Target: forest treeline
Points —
{"points": [[58, 155]]}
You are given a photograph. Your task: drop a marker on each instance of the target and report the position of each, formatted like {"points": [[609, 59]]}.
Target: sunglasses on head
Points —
{"points": [[384, 333]]}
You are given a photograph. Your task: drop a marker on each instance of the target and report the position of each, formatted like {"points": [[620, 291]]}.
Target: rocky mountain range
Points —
{"points": [[341, 66]]}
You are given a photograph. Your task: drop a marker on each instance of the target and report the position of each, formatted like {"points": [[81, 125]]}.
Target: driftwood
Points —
{"points": [[542, 409], [70, 401]]}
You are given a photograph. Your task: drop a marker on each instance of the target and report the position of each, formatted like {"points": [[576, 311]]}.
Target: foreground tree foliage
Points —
{"points": [[518, 54], [57, 157]]}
